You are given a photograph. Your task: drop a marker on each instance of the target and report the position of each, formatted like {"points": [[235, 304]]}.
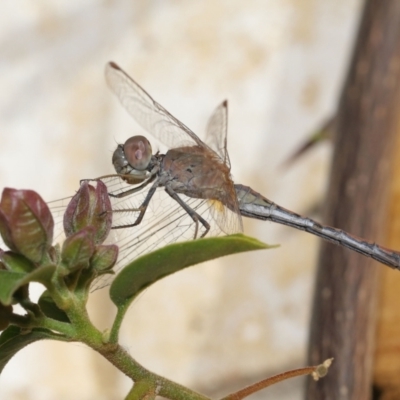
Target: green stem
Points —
{"points": [[115, 354], [28, 305], [27, 322], [58, 326], [114, 333], [142, 390], [81, 329], [86, 332]]}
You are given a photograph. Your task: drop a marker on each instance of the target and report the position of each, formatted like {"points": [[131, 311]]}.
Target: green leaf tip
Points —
{"points": [[154, 266]]}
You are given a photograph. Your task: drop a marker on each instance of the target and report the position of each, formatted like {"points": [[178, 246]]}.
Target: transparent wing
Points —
{"points": [[153, 117], [227, 217], [165, 222], [228, 221], [216, 132]]}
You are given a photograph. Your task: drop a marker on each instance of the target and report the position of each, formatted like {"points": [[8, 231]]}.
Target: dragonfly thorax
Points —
{"points": [[196, 173]]}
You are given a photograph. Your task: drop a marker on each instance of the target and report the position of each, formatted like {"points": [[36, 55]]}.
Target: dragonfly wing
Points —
{"points": [[228, 221], [226, 213], [225, 210], [217, 130], [164, 222], [149, 114]]}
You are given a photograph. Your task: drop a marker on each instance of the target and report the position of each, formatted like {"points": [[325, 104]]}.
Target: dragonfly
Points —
{"points": [[188, 192], [195, 174]]}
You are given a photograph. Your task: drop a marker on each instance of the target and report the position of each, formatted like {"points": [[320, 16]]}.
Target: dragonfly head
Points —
{"points": [[138, 152], [133, 158]]}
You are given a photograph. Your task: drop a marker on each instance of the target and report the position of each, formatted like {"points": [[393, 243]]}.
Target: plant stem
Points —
{"points": [[142, 391], [317, 372], [157, 384], [58, 326], [25, 322], [147, 384], [28, 305], [114, 333]]}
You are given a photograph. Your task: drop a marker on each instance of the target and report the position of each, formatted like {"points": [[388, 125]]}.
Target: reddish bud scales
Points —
{"points": [[26, 224], [90, 206]]}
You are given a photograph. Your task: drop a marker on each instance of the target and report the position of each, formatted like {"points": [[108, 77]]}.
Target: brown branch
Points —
{"points": [[316, 372], [343, 321]]}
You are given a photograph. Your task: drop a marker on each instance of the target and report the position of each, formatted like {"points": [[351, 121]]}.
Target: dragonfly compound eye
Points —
{"points": [[138, 152]]}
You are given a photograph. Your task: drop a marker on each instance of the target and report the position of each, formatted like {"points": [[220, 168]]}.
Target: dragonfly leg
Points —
{"points": [[133, 190], [142, 209], [193, 214]]}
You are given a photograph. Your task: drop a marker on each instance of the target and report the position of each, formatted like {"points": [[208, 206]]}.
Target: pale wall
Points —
{"points": [[281, 65]]}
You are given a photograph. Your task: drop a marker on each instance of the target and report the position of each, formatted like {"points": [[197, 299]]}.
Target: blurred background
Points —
{"points": [[281, 65]]}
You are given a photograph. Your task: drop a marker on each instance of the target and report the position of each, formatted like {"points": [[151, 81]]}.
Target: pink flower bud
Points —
{"points": [[26, 224], [90, 206]]}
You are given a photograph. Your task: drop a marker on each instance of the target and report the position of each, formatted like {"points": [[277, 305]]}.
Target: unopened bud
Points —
{"points": [[104, 257], [78, 249], [90, 206], [26, 224]]}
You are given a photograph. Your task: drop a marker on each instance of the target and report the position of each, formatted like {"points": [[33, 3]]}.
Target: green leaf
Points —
{"points": [[14, 339], [151, 267], [10, 281], [16, 262], [50, 309], [78, 249]]}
